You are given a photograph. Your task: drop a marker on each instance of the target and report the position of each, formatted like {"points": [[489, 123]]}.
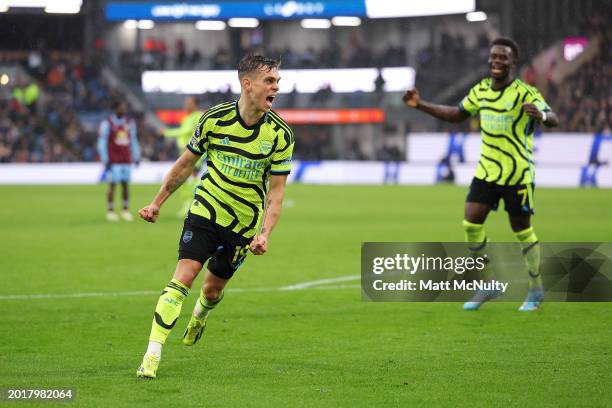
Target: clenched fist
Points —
{"points": [[411, 98], [149, 213], [259, 245]]}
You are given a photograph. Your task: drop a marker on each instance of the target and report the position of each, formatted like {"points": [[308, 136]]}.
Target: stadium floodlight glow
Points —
{"points": [[343, 21], [322, 23], [145, 24], [63, 7], [4, 79], [395, 8], [574, 46], [3, 7], [46, 4], [26, 3], [397, 79], [243, 22], [475, 16], [214, 25], [130, 24]]}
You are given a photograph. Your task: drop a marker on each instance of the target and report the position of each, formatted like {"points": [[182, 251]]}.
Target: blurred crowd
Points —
{"points": [[584, 101], [51, 112], [154, 54], [51, 109]]}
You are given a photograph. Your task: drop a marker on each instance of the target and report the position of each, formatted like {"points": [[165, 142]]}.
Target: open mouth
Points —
{"points": [[270, 99], [496, 71]]}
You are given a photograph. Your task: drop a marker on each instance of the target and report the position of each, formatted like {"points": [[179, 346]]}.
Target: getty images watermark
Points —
{"points": [[452, 272]]}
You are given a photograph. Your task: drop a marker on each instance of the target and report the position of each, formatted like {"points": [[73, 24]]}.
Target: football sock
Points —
{"points": [[204, 306], [474, 234], [167, 310], [154, 348], [477, 242], [531, 254]]}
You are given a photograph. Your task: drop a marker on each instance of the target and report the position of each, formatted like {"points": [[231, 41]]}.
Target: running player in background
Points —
{"points": [[237, 203], [509, 110], [118, 149], [183, 134]]}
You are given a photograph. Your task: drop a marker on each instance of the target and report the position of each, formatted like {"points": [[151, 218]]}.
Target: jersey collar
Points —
{"points": [[503, 87], [117, 120], [243, 123]]}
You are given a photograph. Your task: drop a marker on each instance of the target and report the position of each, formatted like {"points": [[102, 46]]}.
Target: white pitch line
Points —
{"points": [[318, 284], [305, 285], [78, 295]]}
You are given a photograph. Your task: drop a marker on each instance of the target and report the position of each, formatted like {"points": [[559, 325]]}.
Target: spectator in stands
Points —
{"points": [[181, 53], [379, 87]]}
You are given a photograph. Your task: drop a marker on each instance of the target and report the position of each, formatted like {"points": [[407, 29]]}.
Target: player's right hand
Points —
{"points": [[411, 98], [149, 213]]}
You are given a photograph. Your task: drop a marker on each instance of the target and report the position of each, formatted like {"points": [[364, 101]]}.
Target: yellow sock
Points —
{"points": [[531, 254], [477, 242], [474, 234], [203, 305], [168, 310]]}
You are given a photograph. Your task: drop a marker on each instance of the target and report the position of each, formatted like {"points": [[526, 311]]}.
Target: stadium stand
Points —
{"points": [[50, 109]]}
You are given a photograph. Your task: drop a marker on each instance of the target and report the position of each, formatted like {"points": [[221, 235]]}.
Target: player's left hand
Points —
{"points": [[532, 111], [259, 245]]}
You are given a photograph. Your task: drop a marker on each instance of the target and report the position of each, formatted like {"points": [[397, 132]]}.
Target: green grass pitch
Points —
{"points": [[320, 346]]}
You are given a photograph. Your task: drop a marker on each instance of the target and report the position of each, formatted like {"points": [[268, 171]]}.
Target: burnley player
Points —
{"points": [[509, 110], [118, 149]]}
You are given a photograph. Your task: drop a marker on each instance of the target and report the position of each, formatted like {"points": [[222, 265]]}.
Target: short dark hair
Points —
{"points": [[508, 42], [252, 62]]}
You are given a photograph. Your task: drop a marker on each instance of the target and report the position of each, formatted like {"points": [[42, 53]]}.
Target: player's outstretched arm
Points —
{"points": [[548, 118], [272, 211], [180, 171], [412, 99]]}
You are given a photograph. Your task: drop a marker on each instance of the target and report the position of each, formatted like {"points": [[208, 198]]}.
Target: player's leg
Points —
{"points": [[111, 215], [475, 215], [166, 314], [482, 198], [196, 245], [125, 189], [171, 299], [519, 204], [211, 295], [221, 268], [530, 246]]}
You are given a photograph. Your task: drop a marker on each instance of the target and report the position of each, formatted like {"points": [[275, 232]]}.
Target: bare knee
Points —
{"points": [[520, 223], [186, 271], [213, 286], [212, 291], [476, 212]]}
